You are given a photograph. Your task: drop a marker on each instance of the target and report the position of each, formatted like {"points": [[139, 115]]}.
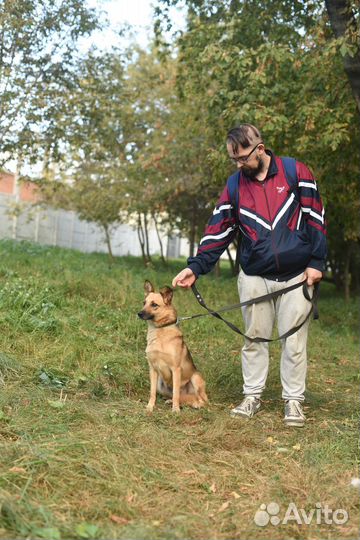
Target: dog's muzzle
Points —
{"points": [[145, 316]]}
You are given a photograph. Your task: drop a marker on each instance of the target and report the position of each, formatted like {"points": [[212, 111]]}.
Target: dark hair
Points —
{"points": [[243, 135]]}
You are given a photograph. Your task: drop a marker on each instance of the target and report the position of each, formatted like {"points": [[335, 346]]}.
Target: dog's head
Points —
{"points": [[157, 305]]}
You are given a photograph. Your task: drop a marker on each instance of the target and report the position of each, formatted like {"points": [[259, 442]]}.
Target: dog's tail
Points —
{"points": [[199, 386]]}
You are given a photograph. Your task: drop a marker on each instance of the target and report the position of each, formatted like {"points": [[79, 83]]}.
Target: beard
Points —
{"points": [[253, 172]]}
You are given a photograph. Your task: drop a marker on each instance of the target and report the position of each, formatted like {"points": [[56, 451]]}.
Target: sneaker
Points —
{"points": [[294, 415], [247, 408]]}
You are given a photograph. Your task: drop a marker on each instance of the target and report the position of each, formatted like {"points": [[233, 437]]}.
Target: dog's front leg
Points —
{"points": [[153, 386], [176, 389]]}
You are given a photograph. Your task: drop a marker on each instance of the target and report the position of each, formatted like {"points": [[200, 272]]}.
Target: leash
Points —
{"points": [[257, 300]]}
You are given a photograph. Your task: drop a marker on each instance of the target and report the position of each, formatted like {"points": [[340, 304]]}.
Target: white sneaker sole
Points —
{"points": [[240, 415], [295, 423], [236, 414]]}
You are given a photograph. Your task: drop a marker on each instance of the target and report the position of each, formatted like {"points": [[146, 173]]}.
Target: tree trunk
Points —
{"points": [[146, 233], [108, 244], [160, 241], [347, 273], [192, 232], [355, 269], [141, 236], [342, 18], [217, 269]]}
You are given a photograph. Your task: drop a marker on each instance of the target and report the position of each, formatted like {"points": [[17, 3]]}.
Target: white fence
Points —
{"points": [[62, 228]]}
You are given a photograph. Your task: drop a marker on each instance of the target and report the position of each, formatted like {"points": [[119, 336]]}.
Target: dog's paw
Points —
{"points": [[197, 405], [149, 408], [176, 410]]}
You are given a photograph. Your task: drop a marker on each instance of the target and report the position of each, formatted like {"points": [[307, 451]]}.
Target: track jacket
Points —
{"points": [[282, 225]]}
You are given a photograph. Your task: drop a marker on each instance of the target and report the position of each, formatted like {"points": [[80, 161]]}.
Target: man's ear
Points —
{"points": [[167, 294], [261, 148], [148, 287]]}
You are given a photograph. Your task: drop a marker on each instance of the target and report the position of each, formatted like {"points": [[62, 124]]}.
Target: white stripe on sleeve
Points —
{"points": [[314, 214], [216, 236], [308, 185], [222, 207]]}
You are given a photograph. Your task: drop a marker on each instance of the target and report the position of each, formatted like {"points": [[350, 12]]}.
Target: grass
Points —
{"points": [[80, 458]]}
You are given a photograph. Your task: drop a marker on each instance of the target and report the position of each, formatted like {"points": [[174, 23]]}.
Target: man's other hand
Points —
{"points": [[184, 279], [312, 276]]}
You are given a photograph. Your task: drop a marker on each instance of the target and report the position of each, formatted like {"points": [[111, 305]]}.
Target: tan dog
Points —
{"points": [[172, 370]]}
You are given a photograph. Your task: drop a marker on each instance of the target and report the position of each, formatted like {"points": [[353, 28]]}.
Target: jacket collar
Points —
{"points": [[273, 168]]}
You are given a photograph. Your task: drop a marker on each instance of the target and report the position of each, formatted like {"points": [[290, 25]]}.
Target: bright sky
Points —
{"points": [[137, 13]]}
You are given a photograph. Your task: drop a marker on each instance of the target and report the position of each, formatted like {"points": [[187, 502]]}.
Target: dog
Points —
{"points": [[172, 371]]}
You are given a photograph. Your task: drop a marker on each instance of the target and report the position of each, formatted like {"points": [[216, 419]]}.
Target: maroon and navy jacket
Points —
{"points": [[283, 226]]}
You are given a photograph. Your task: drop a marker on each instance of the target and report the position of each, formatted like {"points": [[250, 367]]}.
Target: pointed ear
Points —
{"points": [[167, 294], [148, 287]]}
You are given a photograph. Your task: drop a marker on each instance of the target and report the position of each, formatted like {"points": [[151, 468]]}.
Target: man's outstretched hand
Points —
{"points": [[184, 279]]}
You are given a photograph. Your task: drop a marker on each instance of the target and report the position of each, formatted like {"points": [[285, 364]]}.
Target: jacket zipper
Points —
{"points": [[272, 236]]}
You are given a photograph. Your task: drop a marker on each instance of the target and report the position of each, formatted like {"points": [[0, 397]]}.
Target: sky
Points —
{"points": [[136, 13]]}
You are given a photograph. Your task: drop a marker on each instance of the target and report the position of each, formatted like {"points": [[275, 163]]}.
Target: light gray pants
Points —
{"points": [[290, 309]]}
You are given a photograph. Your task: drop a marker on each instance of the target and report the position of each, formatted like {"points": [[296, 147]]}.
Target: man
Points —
{"points": [[283, 242]]}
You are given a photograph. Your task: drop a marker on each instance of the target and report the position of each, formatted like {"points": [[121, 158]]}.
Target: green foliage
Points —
{"points": [[91, 178], [136, 135], [283, 72], [37, 63]]}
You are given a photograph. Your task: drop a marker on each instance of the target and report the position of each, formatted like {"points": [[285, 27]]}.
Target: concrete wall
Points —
{"points": [[62, 228]]}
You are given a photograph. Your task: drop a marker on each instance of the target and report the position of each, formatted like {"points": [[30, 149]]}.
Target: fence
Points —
{"points": [[63, 228]]}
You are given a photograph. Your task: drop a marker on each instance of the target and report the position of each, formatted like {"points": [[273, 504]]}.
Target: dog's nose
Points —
{"points": [[141, 314]]}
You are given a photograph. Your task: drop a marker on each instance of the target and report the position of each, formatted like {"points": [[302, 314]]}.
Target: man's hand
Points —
{"points": [[312, 275], [184, 279]]}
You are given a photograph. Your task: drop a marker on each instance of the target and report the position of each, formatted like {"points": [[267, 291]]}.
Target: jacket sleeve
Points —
{"points": [[218, 235], [312, 210]]}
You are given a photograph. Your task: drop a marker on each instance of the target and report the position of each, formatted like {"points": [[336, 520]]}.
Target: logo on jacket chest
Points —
{"points": [[280, 189]]}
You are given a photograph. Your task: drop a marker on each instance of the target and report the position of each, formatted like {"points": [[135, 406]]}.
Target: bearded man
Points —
{"points": [[277, 207]]}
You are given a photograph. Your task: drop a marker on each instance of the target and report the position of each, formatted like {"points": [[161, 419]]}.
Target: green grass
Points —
{"points": [[80, 458]]}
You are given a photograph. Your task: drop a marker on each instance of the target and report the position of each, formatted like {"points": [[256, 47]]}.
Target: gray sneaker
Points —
{"points": [[294, 415], [247, 408]]}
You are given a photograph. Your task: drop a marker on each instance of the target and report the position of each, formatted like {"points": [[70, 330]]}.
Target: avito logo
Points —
{"points": [[321, 514]]}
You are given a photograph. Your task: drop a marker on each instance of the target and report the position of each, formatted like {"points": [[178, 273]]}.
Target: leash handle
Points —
{"points": [[262, 298], [313, 299]]}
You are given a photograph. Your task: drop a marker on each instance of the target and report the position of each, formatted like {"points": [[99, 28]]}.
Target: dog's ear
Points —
{"points": [[167, 294], [148, 287]]}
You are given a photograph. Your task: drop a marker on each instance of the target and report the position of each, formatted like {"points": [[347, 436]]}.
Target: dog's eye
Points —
{"points": [[154, 305]]}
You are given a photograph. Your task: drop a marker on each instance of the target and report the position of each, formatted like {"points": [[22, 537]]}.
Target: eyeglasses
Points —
{"points": [[244, 159]]}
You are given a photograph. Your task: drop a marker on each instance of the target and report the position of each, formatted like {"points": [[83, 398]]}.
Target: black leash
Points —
{"points": [[265, 297]]}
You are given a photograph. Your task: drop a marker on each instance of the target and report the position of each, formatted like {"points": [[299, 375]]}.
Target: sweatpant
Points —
{"points": [[289, 310]]}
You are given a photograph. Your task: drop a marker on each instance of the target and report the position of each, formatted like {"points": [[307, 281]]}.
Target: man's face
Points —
{"points": [[248, 159]]}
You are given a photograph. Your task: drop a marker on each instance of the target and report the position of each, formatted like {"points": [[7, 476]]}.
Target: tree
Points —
{"points": [[91, 174], [174, 183], [37, 61], [345, 23], [282, 72]]}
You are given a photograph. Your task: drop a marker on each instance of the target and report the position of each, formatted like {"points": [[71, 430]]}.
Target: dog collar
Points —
{"points": [[176, 323]]}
